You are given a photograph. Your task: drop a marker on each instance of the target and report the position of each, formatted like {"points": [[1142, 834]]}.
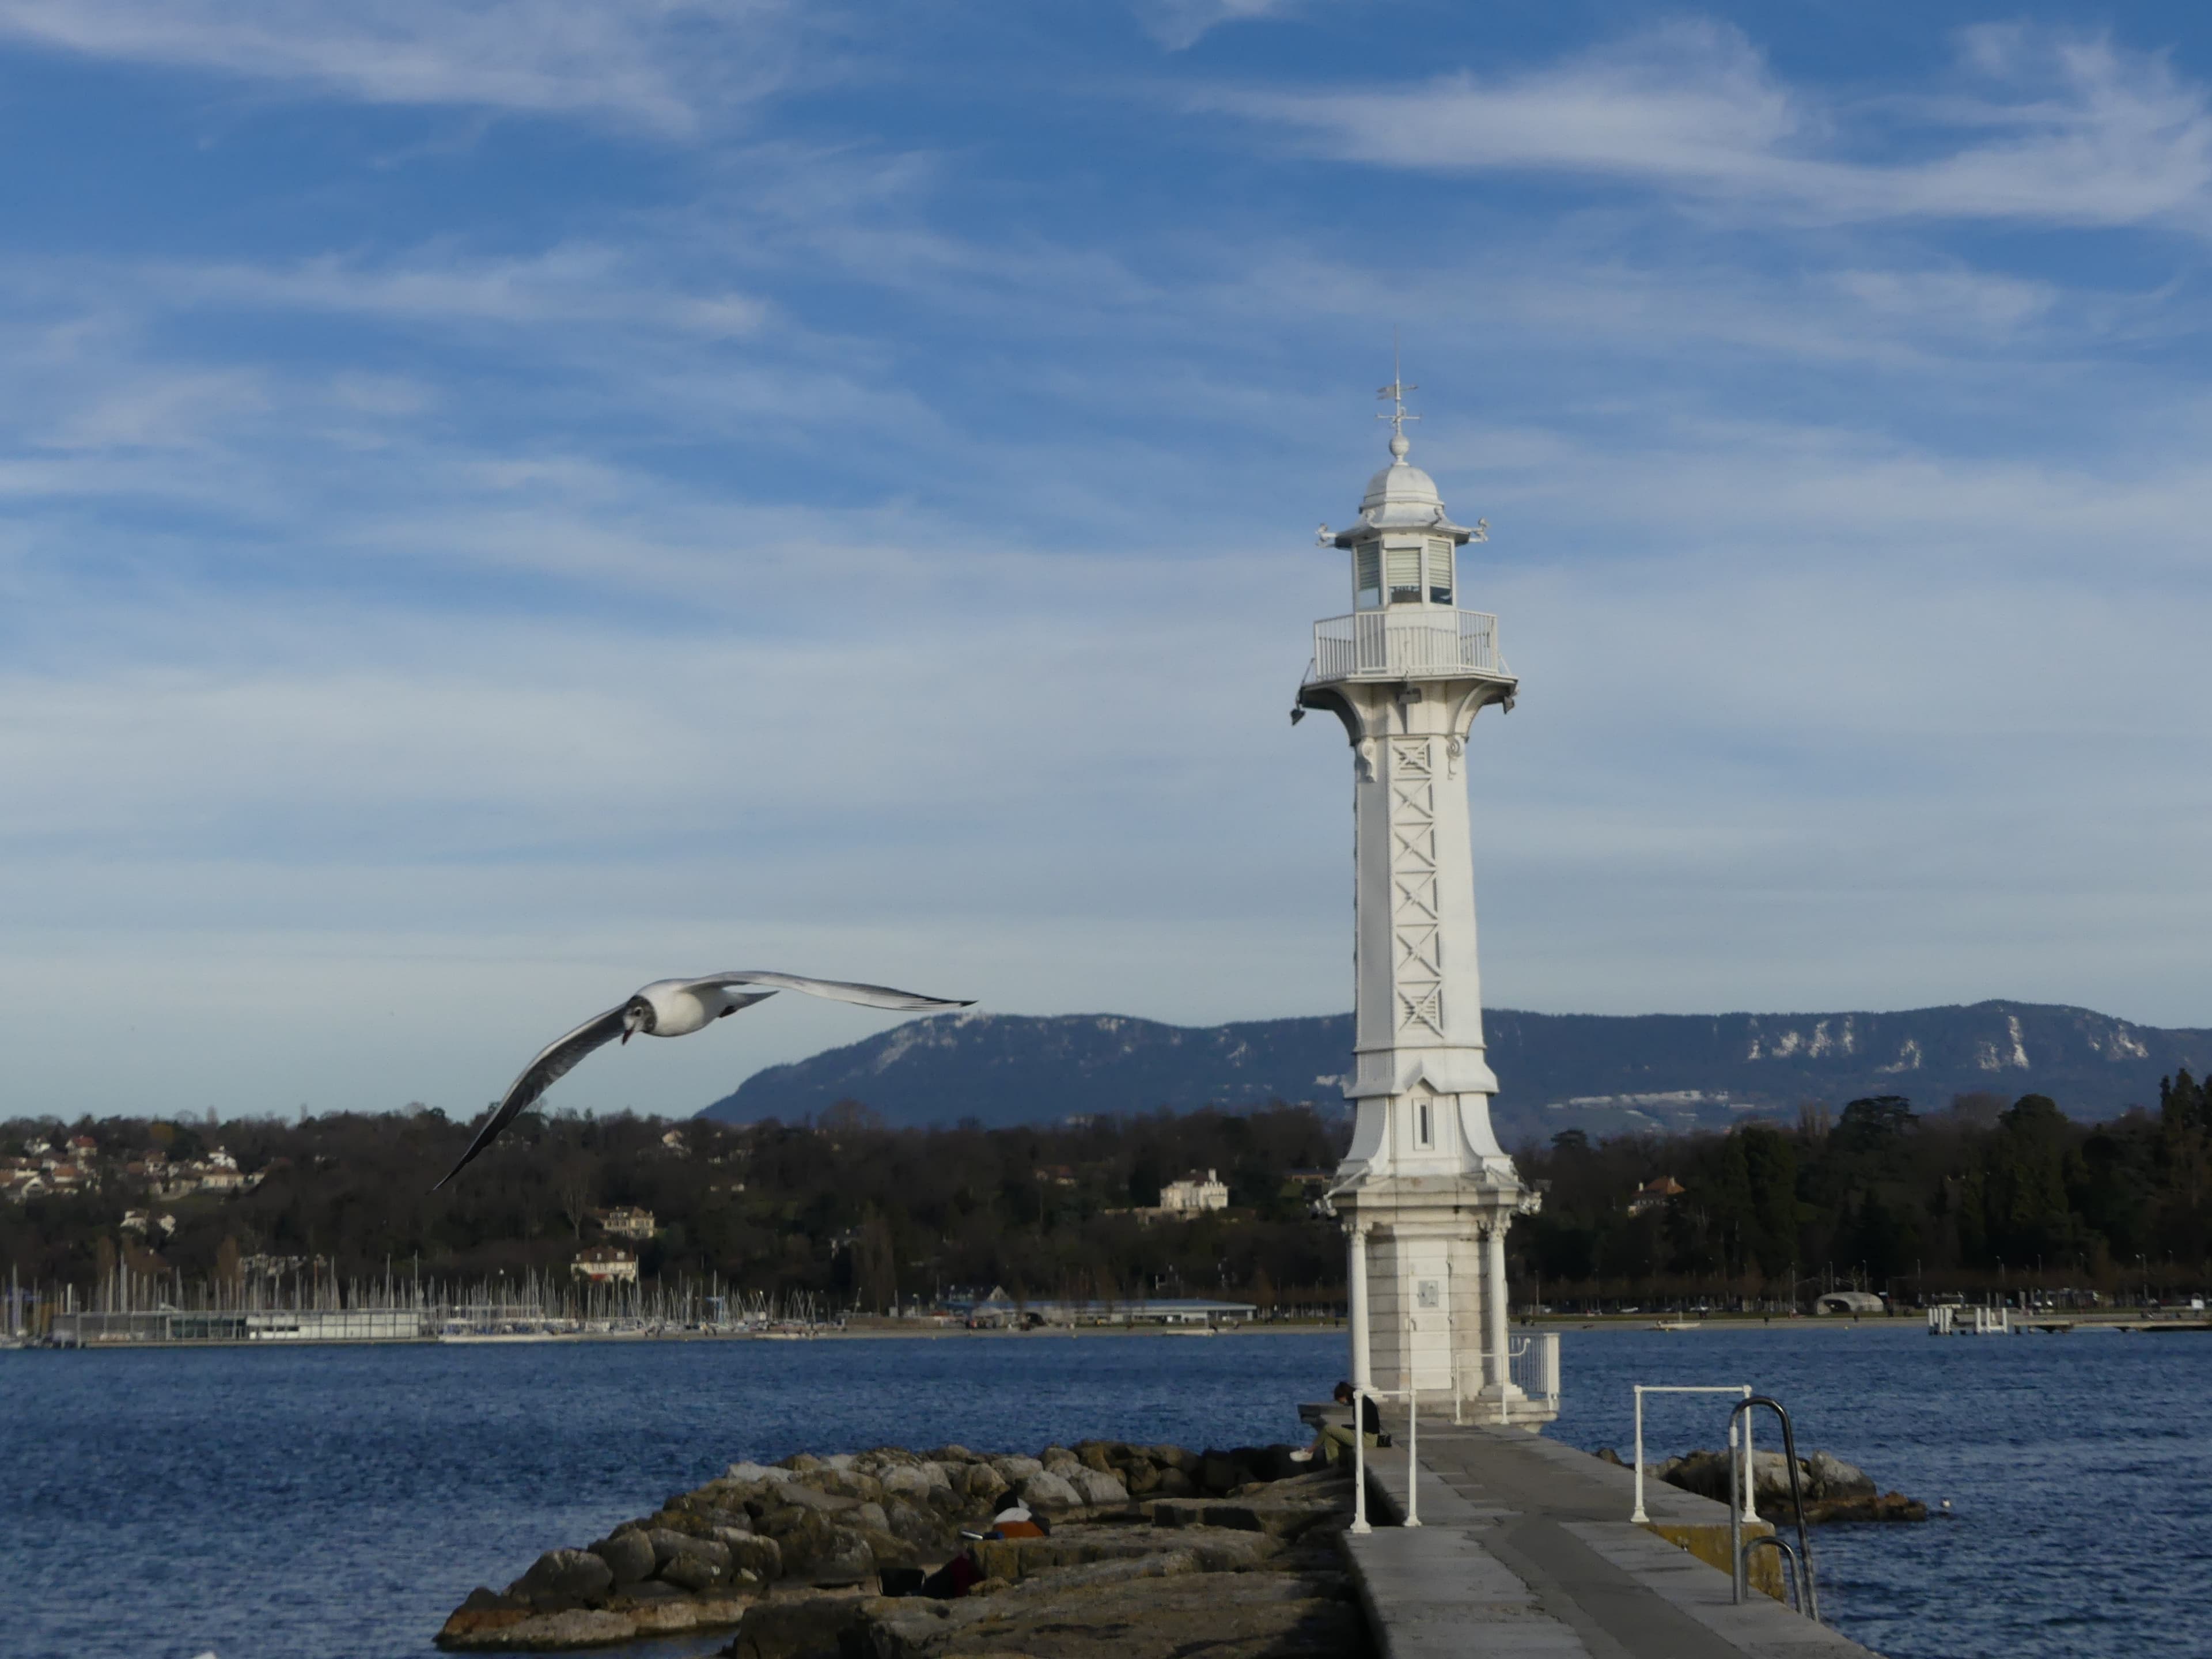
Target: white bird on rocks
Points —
{"points": [[669, 1008]]}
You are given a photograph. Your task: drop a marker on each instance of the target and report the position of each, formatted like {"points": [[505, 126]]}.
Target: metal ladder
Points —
{"points": [[1742, 1479]]}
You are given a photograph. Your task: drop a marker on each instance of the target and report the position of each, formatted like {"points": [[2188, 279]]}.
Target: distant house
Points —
{"points": [[673, 1141], [217, 1179], [628, 1222], [83, 1148], [1850, 1302], [605, 1264], [1653, 1194], [1191, 1196]]}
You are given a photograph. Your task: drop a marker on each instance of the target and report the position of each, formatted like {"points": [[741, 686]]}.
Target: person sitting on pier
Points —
{"points": [[1335, 1438]]}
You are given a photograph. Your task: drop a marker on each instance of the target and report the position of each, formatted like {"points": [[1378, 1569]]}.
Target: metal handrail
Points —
{"points": [[1809, 1603], [1359, 1523], [1796, 1582], [1736, 1487]]}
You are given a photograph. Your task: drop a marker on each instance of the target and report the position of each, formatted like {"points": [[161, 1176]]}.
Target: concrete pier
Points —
{"points": [[1525, 1547]]}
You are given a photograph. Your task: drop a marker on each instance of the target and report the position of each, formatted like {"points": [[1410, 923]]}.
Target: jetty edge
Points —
{"points": [[1524, 1550], [1157, 1545]]}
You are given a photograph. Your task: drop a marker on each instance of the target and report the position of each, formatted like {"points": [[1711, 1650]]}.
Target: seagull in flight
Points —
{"points": [[669, 1008]]}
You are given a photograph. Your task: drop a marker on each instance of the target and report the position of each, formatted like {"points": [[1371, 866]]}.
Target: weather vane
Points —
{"points": [[1395, 392]]}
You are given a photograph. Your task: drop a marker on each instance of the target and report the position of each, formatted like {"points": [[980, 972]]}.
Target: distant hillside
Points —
{"points": [[1602, 1072]]}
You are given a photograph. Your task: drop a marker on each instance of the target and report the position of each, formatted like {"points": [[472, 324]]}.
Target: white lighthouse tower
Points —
{"points": [[1426, 1192]]}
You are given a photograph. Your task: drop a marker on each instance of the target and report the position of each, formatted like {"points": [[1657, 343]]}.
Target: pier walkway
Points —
{"points": [[1525, 1549]]}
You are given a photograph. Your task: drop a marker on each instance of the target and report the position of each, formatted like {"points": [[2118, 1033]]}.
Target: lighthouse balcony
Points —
{"points": [[1403, 642]]}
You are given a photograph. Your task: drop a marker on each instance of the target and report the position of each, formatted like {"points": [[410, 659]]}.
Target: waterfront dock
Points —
{"points": [[1525, 1548]]}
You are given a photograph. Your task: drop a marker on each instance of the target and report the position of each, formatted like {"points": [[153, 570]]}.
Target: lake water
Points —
{"points": [[339, 1501]]}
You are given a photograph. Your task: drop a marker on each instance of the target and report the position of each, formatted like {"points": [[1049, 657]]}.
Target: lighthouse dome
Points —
{"points": [[1400, 488], [1400, 497]]}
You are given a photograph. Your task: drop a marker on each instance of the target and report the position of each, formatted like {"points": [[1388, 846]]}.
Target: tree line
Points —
{"points": [[1981, 1195], [856, 1213]]}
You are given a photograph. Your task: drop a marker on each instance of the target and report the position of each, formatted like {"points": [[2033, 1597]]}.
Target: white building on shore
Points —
{"points": [[1192, 1194]]}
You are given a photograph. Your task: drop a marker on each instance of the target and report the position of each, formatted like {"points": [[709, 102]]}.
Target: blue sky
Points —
{"points": [[501, 502]]}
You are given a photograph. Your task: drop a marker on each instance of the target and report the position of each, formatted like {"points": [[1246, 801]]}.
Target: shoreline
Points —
{"points": [[2117, 1322]]}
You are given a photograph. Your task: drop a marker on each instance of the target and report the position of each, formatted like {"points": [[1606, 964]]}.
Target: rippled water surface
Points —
{"points": [[339, 1501], [2079, 1469]]}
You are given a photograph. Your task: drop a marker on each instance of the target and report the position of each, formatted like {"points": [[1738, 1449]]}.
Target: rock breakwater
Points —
{"points": [[1833, 1490], [1150, 1540]]}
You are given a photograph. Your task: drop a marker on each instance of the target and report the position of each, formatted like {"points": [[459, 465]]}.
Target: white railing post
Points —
{"points": [[1412, 1456], [1744, 1390], [1359, 1463], [1356, 1305], [1639, 1516]]}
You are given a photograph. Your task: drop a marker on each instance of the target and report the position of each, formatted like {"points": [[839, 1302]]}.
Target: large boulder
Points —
{"points": [[985, 1485], [669, 1547], [1708, 1474], [755, 1475], [629, 1554], [797, 1626], [565, 1578], [1832, 1478], [1106, 1457], [1047, 1490], [919, 1525], [910, 1481], [749, 1553], [813, 1497], [692, 1572], [1015, 1470], [804, 1535], [847, 1483], [1095, 1487], [498, 1631], [847, 1560]]}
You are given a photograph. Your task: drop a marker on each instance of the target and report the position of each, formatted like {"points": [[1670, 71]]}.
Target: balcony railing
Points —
{"points": [[1402, 641]]}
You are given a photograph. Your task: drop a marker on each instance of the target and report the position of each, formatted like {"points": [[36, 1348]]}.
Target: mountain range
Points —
{"points": [[1604, 1073]]}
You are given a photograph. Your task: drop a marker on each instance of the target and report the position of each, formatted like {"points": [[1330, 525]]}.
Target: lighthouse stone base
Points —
{"points": [[1430, 1252]]}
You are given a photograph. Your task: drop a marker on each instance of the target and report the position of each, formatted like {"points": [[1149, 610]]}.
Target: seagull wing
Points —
{"points": [[837, 990], [554, 1062]]}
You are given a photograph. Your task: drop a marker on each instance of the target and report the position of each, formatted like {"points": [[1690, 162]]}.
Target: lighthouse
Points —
{"points": [[1426, 1194]]}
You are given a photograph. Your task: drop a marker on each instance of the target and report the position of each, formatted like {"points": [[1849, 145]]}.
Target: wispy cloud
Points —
{"points": [[575, 283], [2041, 127], [1179, 24], [655, 64]]}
